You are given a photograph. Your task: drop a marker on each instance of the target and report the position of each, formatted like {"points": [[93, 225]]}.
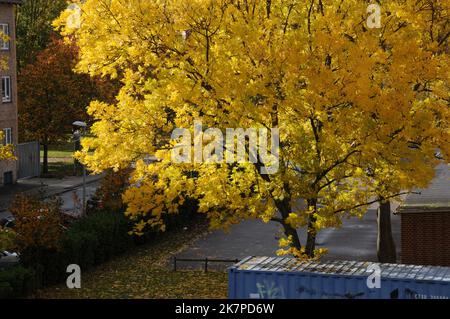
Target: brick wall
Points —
{"points": [[425, 238], [8, 111]]}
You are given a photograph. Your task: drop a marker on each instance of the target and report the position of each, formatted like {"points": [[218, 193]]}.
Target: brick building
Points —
{"points": [[8, 87], [425, 223]]}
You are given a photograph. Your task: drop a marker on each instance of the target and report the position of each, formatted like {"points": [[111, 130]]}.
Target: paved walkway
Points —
{"points": [[355, 240]]}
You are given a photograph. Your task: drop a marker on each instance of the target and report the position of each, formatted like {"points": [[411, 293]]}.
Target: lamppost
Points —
{"points": [[76, 147], [82, 126]]}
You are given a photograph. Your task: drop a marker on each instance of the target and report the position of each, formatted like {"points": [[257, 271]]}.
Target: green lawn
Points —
{"points": [[60, 158], [146, 273], [60, 151]]}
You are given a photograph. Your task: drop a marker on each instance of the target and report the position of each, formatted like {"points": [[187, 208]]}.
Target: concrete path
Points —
{"points": [[355, 240]]}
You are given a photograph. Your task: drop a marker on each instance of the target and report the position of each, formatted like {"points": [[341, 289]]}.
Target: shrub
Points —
{"points": [[38, 224], [7, 238], [97, 238], [88, 242], [16, 282], [186, 213]]}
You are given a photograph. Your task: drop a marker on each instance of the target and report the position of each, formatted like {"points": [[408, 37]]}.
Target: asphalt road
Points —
{"points": [[355, 240], [71, 203], [72, 200]]}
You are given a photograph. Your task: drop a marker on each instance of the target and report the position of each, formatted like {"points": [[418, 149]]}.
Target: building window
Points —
{"points": [[6, 89], [7, 139], [4, 28]]}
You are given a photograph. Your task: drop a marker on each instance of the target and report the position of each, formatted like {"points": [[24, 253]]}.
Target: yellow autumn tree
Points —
{"points": [[433, 21], [360, 111]]}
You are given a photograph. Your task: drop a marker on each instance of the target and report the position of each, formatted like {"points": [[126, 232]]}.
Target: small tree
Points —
{"points": [[38, 224], [108, 197], [52, 96]]}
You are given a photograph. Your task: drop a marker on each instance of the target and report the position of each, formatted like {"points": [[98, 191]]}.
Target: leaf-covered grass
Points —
{"points": [[60, 169], [146, 273]]}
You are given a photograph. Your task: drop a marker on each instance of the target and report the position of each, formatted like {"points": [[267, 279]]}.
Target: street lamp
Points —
{"points": [[82, 126], [79, 124]]}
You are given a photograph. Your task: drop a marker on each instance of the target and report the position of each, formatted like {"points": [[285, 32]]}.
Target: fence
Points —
{"points": [[29, 159], [205, 261]]}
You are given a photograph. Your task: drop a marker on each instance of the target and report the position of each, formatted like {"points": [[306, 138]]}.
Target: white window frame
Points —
{"points": [[5, 45], [6, 89], [8, 136]]}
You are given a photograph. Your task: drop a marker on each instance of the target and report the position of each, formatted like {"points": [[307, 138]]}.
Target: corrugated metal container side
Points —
{"points": [[288, 278]]}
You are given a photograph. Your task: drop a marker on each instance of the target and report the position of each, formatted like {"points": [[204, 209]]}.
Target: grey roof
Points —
{"points": [[435, 198], [343, 268], [11, 1]]}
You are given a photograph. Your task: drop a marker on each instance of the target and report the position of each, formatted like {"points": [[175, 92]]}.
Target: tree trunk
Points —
{"points": [[284, 209], [45, 160], [312, 232], [289, 231], [311, 239], [386, 251]]}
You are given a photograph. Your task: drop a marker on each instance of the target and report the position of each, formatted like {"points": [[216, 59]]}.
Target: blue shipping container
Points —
{"points": [[288, 278]]}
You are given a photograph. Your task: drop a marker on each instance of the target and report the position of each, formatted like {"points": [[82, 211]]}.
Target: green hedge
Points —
{"points": [[94, 240], [88, 242], [17, 282]]}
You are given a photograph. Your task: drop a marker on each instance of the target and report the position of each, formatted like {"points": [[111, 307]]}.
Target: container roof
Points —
{"points": [[344, 268], [11, 1], [435, 198]]}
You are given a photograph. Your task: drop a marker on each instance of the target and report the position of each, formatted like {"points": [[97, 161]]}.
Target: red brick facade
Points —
{"points": [[8, 109], [426, 238]]}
